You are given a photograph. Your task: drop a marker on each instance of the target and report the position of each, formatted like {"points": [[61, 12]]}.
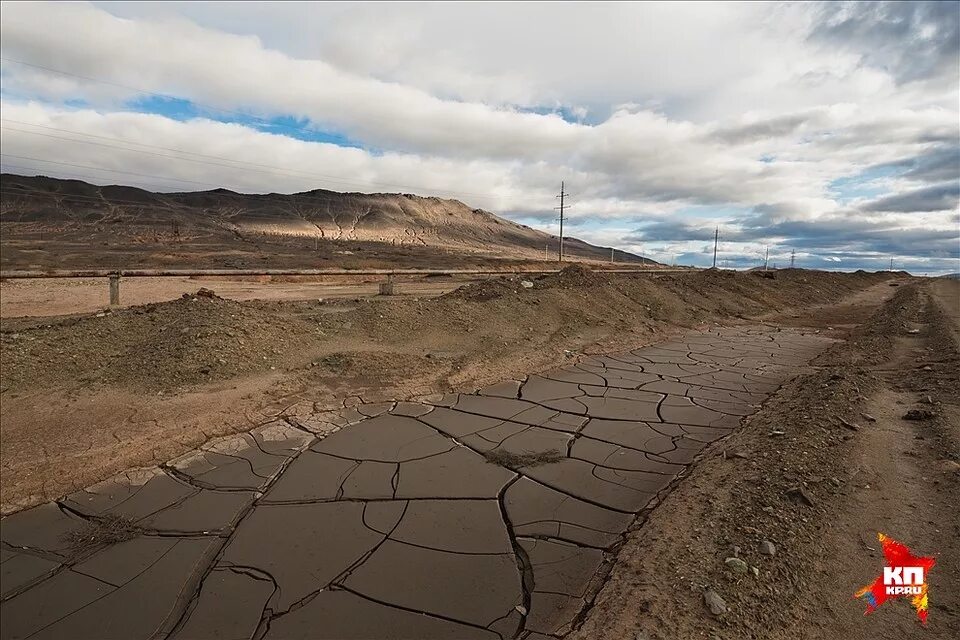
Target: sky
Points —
{"points": [[827, 133]]}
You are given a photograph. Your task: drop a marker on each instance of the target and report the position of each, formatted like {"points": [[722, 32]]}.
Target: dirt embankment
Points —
{"points": [[798, 495], [86, 397]]}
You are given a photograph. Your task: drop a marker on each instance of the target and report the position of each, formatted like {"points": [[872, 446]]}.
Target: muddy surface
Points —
{"points": [[494, 514], [836, 434]]}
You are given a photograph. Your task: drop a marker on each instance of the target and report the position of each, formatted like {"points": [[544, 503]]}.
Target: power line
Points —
{"points": [[562, 195], [716, 241]]}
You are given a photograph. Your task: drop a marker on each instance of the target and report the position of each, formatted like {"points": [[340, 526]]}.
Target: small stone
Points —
{"points": [[522, 610], [777, 432], [868, 417], [798, 495], [913, 331], [949, 466], [918, 414], [736, 551], [714, 602], [848, 424], [526, 284], [755, 571], [767, 548], [736, 565]]}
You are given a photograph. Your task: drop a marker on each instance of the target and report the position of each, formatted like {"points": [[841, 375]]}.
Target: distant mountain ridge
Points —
{"points": [[56, 205]]}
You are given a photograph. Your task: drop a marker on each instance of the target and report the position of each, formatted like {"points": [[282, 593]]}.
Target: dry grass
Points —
{"points": [[102, 531], [510, 459]]}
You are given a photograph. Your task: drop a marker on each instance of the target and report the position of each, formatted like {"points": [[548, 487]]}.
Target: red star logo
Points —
{"points": [[899, 578]]}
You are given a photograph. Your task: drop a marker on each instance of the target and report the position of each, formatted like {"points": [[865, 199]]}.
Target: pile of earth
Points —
{"points": [[195, 339]]}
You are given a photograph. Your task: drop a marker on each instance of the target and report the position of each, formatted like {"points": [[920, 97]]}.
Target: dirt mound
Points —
{"points": [[576, 275], [485, 290], [198, 338]]}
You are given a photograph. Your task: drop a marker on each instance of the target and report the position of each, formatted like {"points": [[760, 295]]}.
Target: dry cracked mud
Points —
{"points": [[493, 514]]}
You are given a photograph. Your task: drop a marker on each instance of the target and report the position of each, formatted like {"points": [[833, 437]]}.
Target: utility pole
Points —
{"points": [[562, 195], [766, 258], [716, 240], [546, 248], [793, 257], [891, 264], [611, 255]]}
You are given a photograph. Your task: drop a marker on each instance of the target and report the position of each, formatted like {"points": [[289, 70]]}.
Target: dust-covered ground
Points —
{"points": [[798, 495], [86, 396]]}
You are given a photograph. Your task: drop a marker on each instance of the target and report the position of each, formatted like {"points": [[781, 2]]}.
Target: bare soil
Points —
{"points": [[826, 464], [84, 397]]}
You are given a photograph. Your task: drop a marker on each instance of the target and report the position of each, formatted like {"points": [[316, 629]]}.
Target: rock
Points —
{"points": [[526, 284], [755, 571], [522, 610], [767, 548], [848, 425], [714, 602], [868, 417], [918, 414], [913, 331], [736, 565], [736, 551], [949, 466], [798, 495], [777, 432]]}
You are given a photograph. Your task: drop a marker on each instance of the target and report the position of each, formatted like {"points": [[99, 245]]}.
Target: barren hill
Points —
{"points": [[49, 222]]}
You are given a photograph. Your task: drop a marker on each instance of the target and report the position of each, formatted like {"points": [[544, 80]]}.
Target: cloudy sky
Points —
{"points": [[832, 130]]}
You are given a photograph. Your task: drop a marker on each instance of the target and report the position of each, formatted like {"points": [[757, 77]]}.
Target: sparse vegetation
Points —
{"points": [[102, 531], [510, 459]]}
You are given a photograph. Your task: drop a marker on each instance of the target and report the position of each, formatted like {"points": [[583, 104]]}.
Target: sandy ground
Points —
{"points": [[882, 474], [63, 296]]}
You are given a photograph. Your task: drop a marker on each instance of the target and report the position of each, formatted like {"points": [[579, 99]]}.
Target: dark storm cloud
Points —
{"points": [[842, 234], [941, 164], [770, 128], [912, 40], [940, 197], [670, 231]]}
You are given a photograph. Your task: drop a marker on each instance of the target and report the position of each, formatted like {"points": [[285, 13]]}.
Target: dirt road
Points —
{"points": [[65, 296], [838, 435]]}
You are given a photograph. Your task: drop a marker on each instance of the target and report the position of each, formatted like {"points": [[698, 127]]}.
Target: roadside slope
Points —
{"points": [[826, 464]]}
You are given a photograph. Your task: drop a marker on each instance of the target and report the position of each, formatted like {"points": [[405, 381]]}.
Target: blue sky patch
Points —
{"points": [[290, 126]]}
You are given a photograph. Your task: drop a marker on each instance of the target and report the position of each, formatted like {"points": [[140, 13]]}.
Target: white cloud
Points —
{"points": [[732, 106]]}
